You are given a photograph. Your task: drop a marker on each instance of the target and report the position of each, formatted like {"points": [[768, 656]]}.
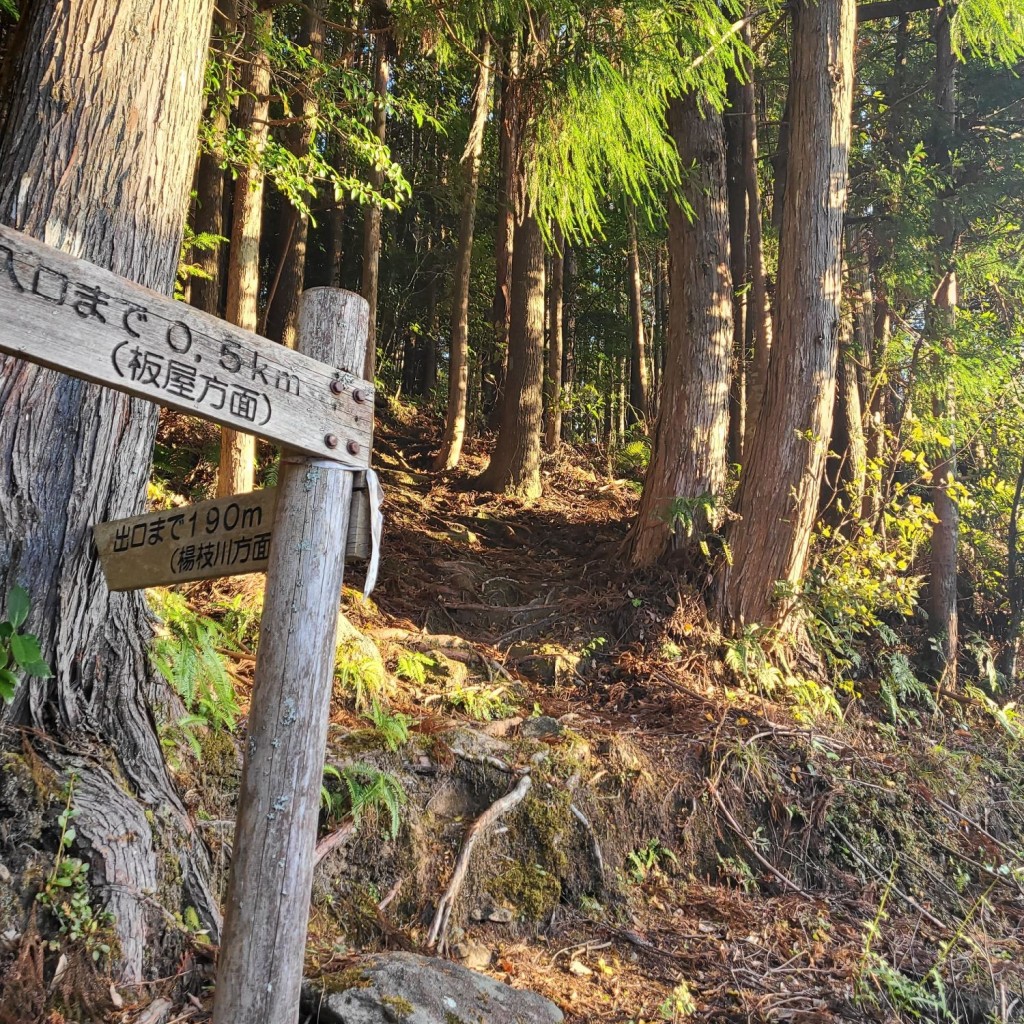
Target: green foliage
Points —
{"points": [[414, 666], [65, 893], [342, 98], [185, 652], [652, 856], [481, 702], [679, 1005], [18, 649], [601, 126], [391, 726], [633, 457], [899, 688], [193, 242], [855, 580], [746, 656], [362, 788], [360, 673]]}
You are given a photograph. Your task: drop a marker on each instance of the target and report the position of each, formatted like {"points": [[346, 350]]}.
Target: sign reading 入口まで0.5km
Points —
{"points": [[72, 316]]}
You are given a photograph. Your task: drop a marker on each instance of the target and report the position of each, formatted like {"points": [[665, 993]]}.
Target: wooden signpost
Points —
{"points": [[81, 320], [74, 317], [222, 537]]}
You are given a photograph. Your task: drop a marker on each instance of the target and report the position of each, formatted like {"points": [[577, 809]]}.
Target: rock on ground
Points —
{"points": [[404, 988]]}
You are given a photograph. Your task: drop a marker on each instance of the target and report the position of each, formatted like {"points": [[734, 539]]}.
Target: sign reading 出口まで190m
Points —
{"points": [[72, 316]]}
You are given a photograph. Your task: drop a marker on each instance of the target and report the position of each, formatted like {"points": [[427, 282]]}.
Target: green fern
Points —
{"points": [[899, 687], [391, 726], [482, 703], [185, 652], [364, 788], [413, 666]]}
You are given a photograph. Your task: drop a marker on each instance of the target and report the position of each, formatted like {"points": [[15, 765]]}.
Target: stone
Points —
{"points": [[474, 955], [542, 726], [501, 915], [405, 988], [543, 663]]}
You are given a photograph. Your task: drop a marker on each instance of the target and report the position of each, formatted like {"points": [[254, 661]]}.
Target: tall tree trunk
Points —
{"points": [[207, 287], [569, 276], [690, 444], [942, 604], [75, 454], [514, 468], [759, 313], [504, 238], [638, 380], [735, 166], [779, 489], [553, 378], [283, 308], [878, 403], [237, 470], [372, 217], [846, 466], [458, 365]]}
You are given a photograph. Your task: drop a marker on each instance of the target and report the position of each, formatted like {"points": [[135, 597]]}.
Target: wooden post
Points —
{"points": [[260, 970]]}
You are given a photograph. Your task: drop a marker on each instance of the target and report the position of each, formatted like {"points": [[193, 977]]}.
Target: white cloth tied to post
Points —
{"points": [[376, 496]]}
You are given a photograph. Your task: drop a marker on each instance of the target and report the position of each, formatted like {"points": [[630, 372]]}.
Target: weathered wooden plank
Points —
{"points": [[208, 540], [259, 971], [84, 321]]}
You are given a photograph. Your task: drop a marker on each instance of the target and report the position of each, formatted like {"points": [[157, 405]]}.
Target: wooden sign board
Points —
{"points": [[77, 318], [224, 537]]}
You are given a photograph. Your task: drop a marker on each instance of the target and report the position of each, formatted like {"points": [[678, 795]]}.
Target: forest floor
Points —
{"points": [[693, 846]]}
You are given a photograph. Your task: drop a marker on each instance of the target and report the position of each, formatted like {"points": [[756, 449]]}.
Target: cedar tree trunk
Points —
{"points": [[556, 334], [514, 468], [638, 384], [84, 124], [690, 444], [237, 449], [781, 483], [458, 368]]}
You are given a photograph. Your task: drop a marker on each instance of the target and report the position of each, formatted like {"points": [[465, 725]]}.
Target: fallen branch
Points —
{"points": [[439, 926], [786, 882]]}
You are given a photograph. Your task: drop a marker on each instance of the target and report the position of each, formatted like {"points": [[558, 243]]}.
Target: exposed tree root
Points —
{"points": [[439, 926]]}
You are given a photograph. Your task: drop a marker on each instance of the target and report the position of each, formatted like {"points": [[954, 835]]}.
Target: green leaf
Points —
{"points": [[25, 649], [17, 605], [6, 630], [8, 682]]}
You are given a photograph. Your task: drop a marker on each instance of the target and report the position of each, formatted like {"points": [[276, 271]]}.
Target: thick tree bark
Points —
{"points": [[458, 365], [514, 468], [237, 471], [690, 444], [119, 120], [942, 604], [779, 490], [553, 377], [735, 167], [759, 313], [372, 218], [283, 310], [638, 380]]}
